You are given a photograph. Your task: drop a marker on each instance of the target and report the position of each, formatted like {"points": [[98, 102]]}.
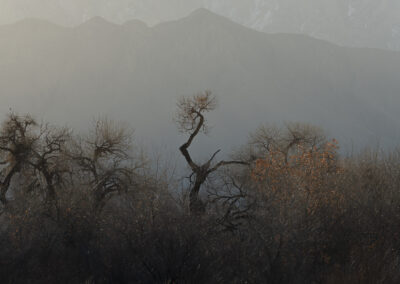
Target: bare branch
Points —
{"points": [[227, 163], [190, 119]]}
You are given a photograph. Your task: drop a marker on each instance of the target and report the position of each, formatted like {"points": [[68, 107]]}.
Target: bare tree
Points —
{"points": [[17, 139], [104, 160], [285, 140], [190, 119], [49, 158], [36, 152]]}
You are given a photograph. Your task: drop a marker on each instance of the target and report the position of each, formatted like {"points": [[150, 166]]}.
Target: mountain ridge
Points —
{"points": [[200, 13], [360, 23]]}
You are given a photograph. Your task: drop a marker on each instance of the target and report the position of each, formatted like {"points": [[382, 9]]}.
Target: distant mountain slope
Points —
{"points": [[360, 23], [134, 73]]}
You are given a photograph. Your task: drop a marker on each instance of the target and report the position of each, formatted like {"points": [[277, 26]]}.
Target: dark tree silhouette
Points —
{"points": [[190, 119]]}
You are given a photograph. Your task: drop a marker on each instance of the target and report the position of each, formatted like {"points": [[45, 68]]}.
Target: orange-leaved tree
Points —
{"points": [[299, 166]]}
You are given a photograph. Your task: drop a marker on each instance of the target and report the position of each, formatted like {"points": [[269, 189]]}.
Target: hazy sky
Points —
{"points": [[135, 73]]}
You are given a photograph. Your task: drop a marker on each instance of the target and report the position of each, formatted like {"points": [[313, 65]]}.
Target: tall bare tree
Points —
{"points": [[191, 120], [34, 151], [49, 158], [104, 160], [17, 139]]}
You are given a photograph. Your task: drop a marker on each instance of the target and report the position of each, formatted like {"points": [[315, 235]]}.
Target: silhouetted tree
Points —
{"points": [[104, 160], [190, 119]]}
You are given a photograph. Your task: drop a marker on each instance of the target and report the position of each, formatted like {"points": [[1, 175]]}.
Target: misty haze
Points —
{"points": [[200, 141]]}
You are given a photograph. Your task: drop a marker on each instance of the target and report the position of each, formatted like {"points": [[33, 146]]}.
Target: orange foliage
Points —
{"points": [[306, 173]]}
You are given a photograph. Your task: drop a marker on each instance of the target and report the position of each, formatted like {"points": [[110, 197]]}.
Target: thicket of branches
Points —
{"points": [[286, 208]]}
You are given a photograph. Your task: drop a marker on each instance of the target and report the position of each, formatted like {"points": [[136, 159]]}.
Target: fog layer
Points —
{"points": [[135, 73]]}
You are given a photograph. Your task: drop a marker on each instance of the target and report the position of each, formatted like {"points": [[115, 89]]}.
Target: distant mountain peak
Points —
{"points": [[97, 22], [202, 12], [203, 15]]}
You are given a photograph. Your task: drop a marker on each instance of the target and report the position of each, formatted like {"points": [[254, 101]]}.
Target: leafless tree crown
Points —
{"points": [[191, 109]]}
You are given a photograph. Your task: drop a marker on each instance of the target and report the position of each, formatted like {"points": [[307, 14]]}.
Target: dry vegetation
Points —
{"points": [[286, 209]]}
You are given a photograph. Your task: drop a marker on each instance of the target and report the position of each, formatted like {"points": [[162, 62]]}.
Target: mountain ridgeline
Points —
{"points": [[360, 23], [134, 73]]}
